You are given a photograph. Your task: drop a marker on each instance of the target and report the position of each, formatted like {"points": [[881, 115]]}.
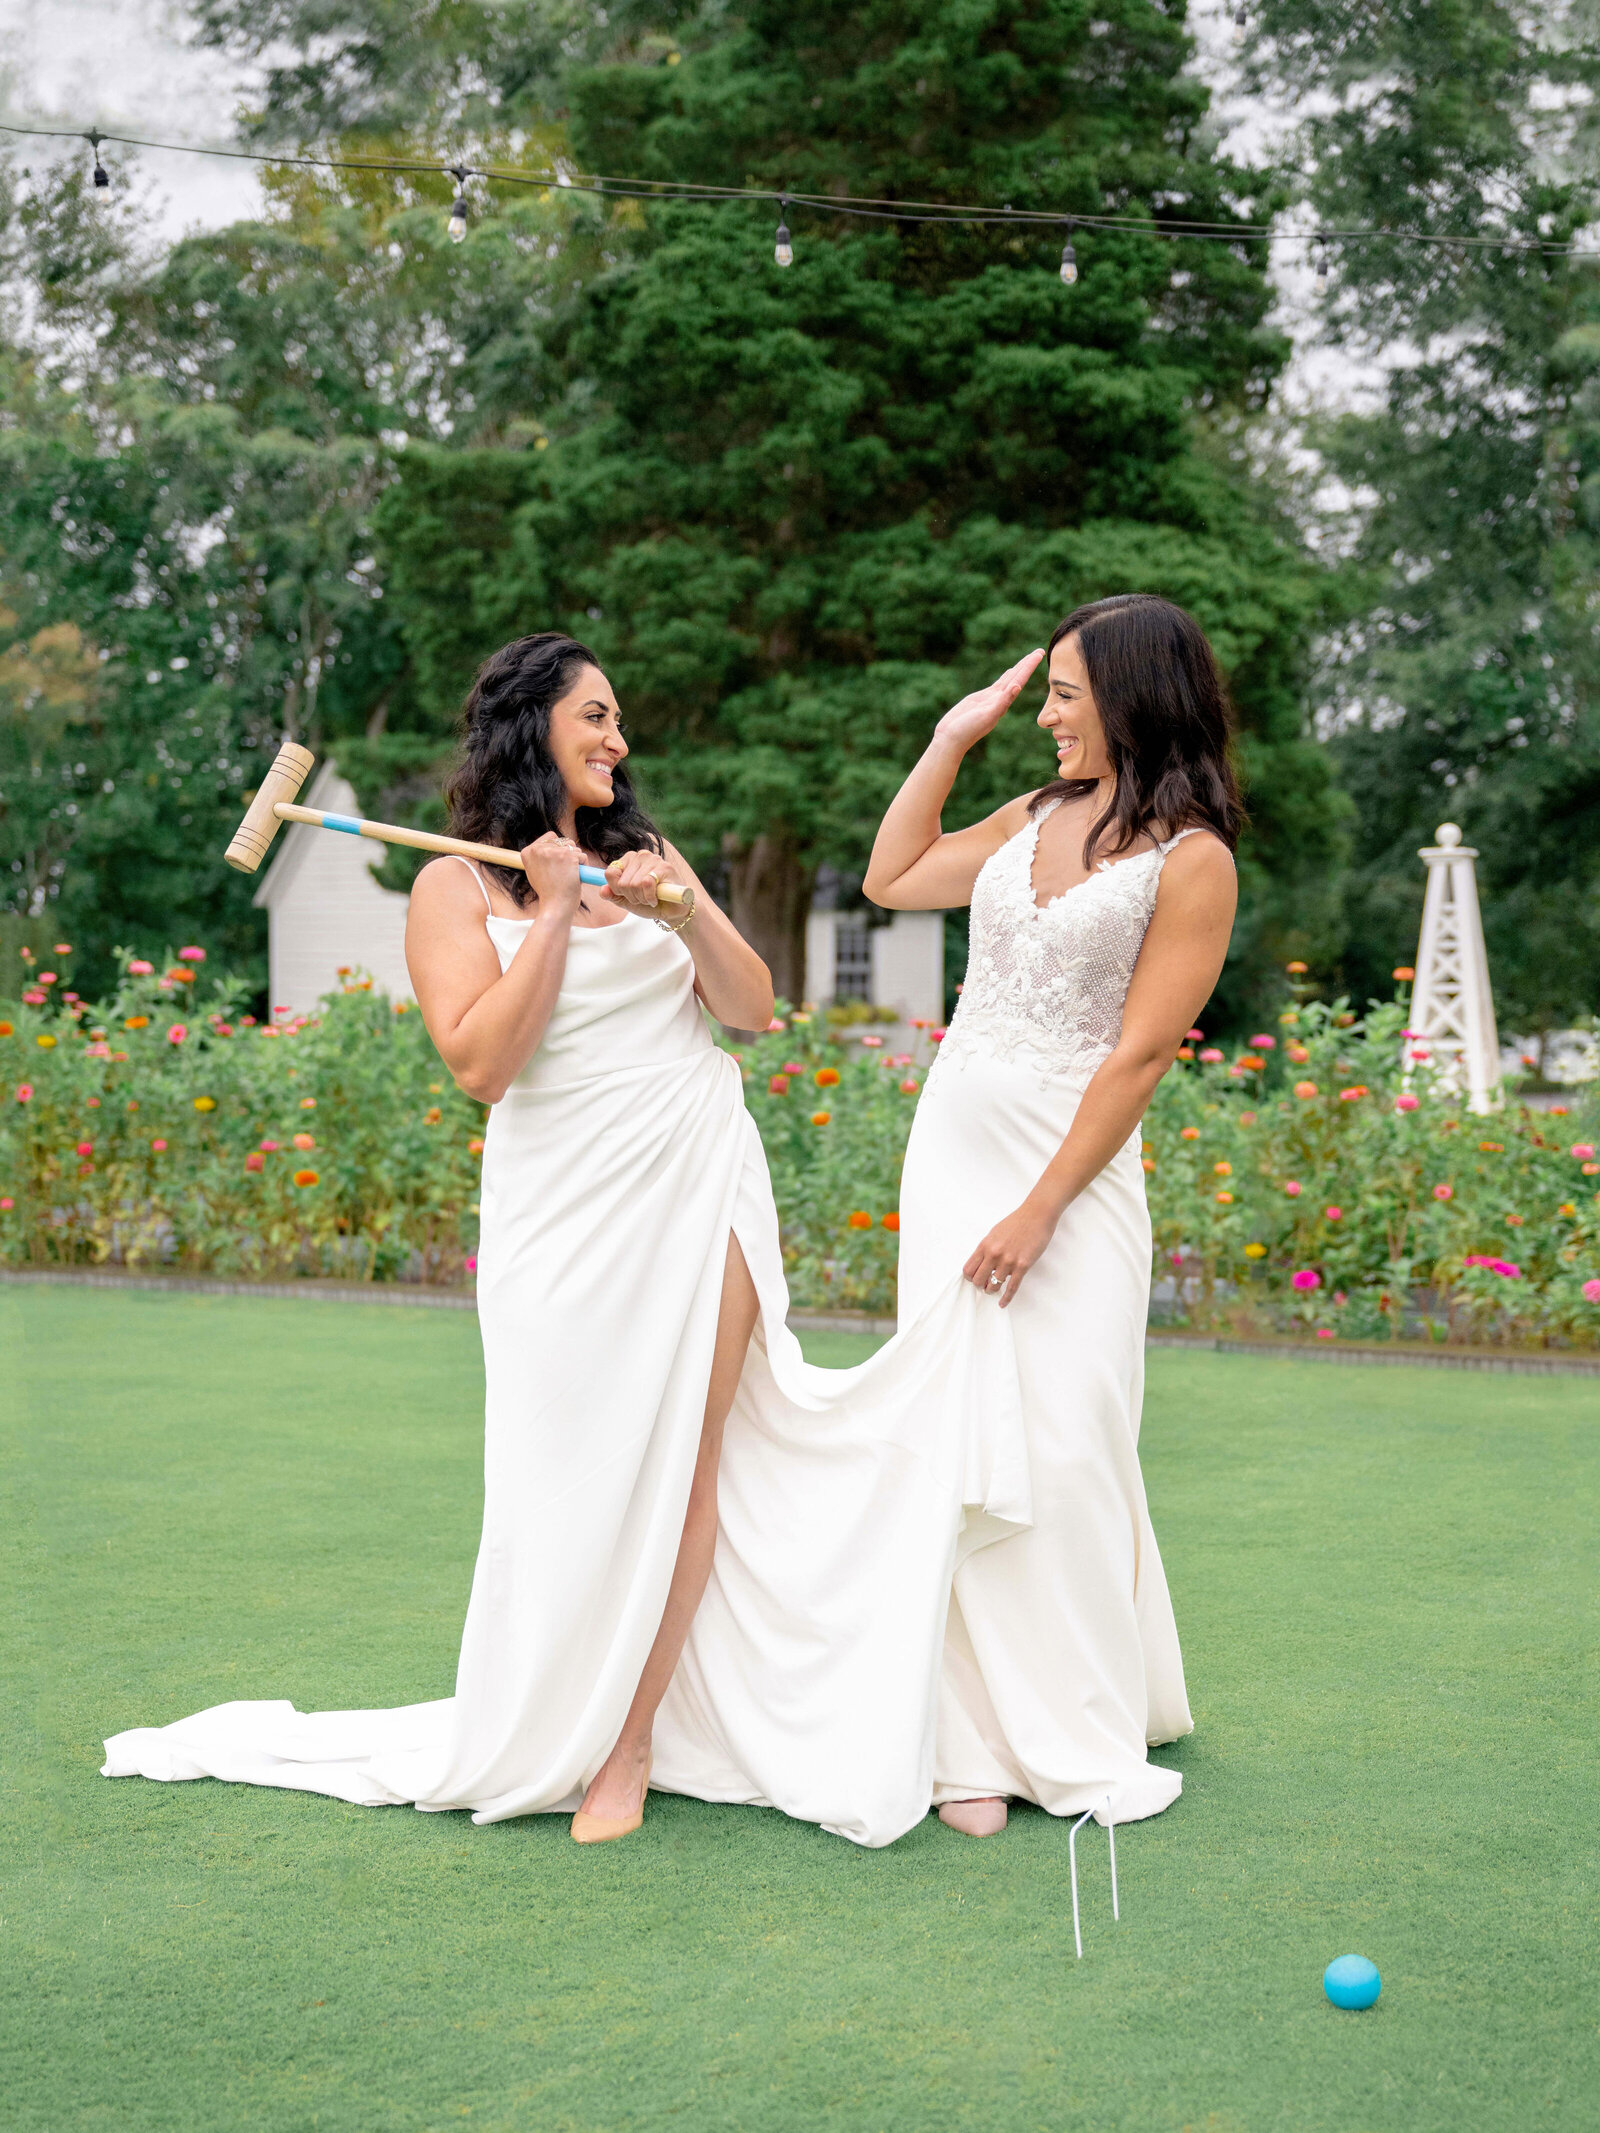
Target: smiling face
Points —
{"points": [[586, 743], [1070, 718]]}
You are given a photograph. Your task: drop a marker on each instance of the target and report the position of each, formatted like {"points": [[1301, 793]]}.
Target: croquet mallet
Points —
{"points": [[275, 802]]}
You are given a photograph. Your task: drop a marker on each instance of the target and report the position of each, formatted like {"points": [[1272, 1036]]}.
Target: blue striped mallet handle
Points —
{"points": [[274, 802]]}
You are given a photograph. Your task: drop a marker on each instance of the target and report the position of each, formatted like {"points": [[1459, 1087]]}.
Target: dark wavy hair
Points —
{"points": [[506, 790], [1167, 719]]}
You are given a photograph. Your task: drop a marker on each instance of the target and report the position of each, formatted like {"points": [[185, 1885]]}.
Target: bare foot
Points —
{"points": [[620, 1783], [974, 1818]]}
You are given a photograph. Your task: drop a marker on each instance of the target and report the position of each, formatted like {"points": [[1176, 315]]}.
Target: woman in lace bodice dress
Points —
{"points": [[1101, 910]]}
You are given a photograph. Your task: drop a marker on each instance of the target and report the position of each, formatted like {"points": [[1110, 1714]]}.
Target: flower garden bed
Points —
{"points": [[1297, 1186]]}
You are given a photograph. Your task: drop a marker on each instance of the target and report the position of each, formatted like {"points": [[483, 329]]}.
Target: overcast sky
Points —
{"points": [[128, 66]]}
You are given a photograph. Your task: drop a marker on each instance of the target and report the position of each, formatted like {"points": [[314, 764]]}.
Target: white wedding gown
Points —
{"points": [[934, 1573]]}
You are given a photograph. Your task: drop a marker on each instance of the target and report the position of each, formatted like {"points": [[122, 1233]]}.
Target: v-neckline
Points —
{"points": [[1106, 866]]}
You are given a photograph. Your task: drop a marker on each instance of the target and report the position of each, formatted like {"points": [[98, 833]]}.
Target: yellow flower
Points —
{"points": [[205, 1103], [1255, 1251], [1567, 1207], [45, 1042], [137, 1022]]}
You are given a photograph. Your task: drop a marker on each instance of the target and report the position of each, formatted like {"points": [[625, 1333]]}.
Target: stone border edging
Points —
{"points": [[1509, 1363]]}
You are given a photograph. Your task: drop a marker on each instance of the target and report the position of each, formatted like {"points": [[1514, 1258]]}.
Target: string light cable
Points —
{"points": [[915, 212]]}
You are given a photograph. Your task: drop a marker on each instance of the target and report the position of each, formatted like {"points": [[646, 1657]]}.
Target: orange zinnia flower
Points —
{"points": [[860, 1220], [891, 1221], [826, 1077], [432, 1115], [305, 1177], [820, 1118]]}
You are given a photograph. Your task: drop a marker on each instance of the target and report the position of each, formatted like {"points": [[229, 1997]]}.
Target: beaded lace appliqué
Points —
{"points": [[1045, 988]]}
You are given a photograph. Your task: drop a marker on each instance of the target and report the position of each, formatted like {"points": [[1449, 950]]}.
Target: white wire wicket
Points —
{"points": [[1072, 1855]]}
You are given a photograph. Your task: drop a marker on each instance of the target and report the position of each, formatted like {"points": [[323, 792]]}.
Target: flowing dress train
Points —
{"points": [[628, 1121]]}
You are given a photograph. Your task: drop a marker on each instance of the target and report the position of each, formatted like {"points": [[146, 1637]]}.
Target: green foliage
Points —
{"points": [[798, 511], [121, 1141], [148, 1130], [1465, 683]]}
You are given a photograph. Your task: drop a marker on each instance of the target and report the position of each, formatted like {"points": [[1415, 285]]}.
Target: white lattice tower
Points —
{"points": [[1452, 1032]]}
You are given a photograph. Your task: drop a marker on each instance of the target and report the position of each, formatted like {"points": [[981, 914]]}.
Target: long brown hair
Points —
{"points": [[1164, 708], [506, 790]]}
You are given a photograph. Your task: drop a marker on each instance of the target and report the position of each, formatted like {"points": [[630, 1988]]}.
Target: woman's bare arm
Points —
{"points": [[915, 866], [486, 1025], [1177, 968], [729, 976]]}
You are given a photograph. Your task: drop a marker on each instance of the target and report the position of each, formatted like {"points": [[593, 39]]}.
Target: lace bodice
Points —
{"points": [[1045, 987]]}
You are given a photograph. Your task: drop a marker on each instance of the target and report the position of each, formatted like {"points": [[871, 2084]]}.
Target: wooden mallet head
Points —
{"points": [[290, 769]]}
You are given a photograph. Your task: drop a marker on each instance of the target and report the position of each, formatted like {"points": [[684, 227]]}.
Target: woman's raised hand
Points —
{"points": [[633, 880], [551, 864], [982, 711]]}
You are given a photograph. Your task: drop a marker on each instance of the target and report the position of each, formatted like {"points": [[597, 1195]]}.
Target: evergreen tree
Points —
{"points": [[798, 510]]}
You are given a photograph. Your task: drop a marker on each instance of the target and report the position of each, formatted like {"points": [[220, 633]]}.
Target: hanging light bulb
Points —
{"points": [[102, 176], [1069, 260], [1322, 266], [783, 250], [457, 225], [1241, 23]]}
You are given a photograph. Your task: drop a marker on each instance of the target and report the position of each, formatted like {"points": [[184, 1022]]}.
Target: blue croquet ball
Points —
{"points": [[1351, 1981]]}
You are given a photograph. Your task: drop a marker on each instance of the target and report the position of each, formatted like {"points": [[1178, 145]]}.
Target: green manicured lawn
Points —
{"points": [[1386, 1585]]}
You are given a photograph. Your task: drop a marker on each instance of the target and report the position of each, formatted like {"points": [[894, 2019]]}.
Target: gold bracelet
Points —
{"points": [[686, 919]]}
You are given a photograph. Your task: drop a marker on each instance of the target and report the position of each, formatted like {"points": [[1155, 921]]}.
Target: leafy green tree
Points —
{"points": [[796, 510], [192, 451], [1464, 681]]}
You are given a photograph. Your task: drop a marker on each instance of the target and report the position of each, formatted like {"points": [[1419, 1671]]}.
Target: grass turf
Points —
{"points": [[1385, 1588]]}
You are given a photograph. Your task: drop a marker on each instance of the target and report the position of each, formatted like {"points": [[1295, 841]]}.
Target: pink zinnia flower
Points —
{"points": [[1324, 1333], [1263, 1044], [1195, 1035], [1334, 1214], [873, 1044], [1405, 1101], [24, 1092], [47, 977], [255, 1160], [1444, 1192], [1210, 1056], [1591, 1290], [1583, 1151], [86, 1148], [158, 1147], [8, 1203], [1293, 1189], [269, 1147], [774, 1024], [1306, 1278], [136, 969], [191, 955], [471, 1264], [177, 1033], [33, 999], [936, 1036]]}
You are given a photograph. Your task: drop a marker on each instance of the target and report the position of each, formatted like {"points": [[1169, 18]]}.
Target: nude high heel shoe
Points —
{"points": [[605, 1829]]}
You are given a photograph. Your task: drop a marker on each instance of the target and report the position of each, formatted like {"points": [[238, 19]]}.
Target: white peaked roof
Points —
{"points": [[326, 915], [297, 840]]}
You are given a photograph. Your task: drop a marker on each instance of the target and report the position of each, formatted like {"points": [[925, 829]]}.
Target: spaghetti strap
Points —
{"points": [[477, 877], [1193, 830]]}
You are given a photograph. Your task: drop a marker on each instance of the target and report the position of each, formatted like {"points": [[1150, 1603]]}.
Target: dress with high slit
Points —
{"points": [[934, 1572]]}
